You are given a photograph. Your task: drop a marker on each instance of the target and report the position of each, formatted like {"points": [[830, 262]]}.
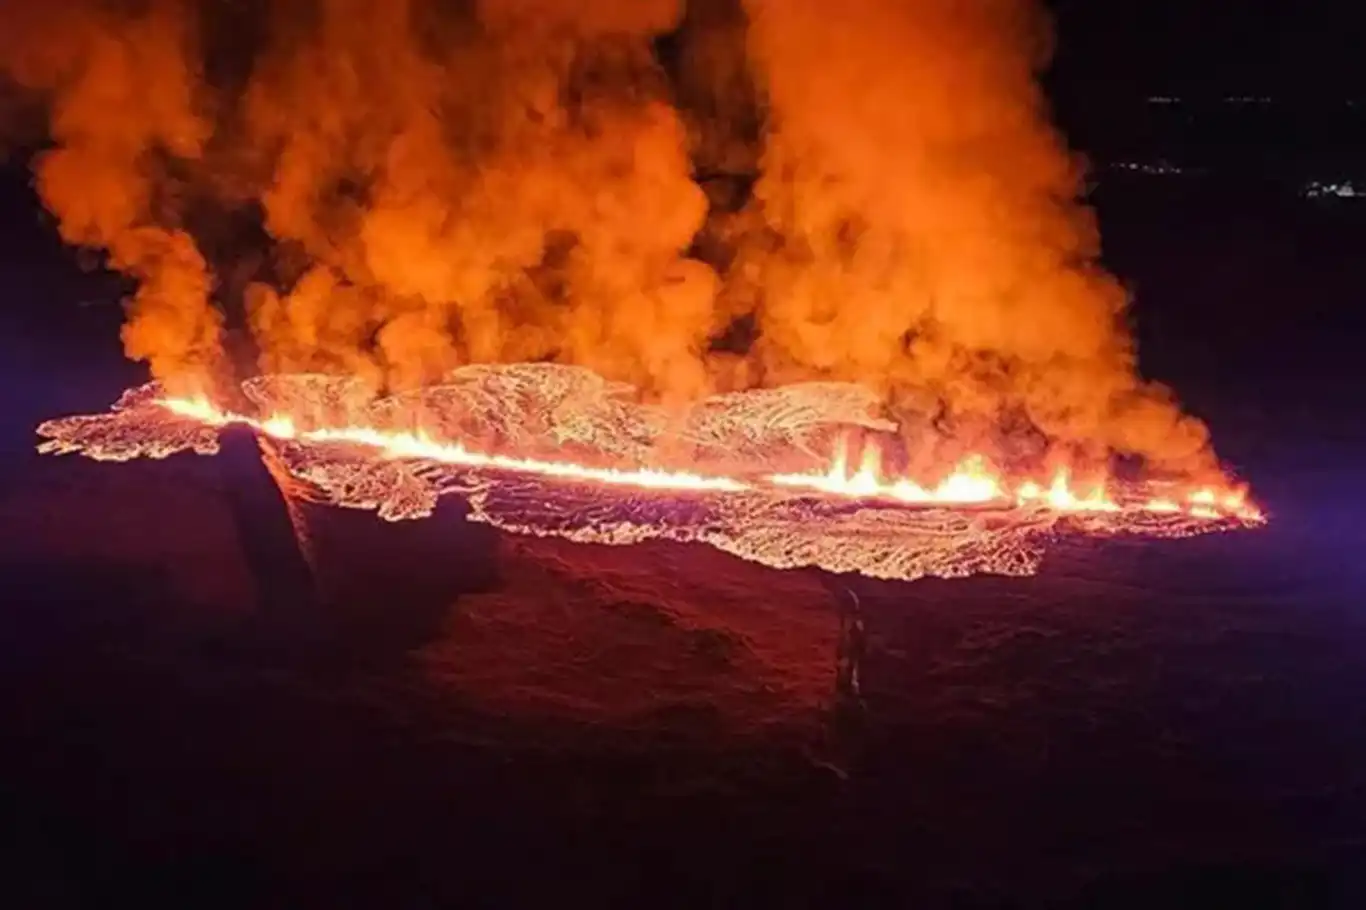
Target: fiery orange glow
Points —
{"points": [[535, 196], [972, 482], [421, 446], [511, 234], [556, 451], [969, 483]]}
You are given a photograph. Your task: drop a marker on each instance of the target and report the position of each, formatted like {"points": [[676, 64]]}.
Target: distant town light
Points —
{"points": [[1345, 190]]}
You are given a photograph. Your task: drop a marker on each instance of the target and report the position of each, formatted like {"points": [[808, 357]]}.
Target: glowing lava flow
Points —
{"points": [[589, 466], [421, 446], [971, 483]]}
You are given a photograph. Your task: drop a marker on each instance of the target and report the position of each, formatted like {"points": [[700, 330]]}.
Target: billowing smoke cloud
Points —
{"points": [[123, 112], [920, 228], [686, 197], [510, 186]]}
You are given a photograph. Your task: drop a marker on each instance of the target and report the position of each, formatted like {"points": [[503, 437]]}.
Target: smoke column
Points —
{"points": [[920, 227], [514, 187], [688, 197], [121, 93]]}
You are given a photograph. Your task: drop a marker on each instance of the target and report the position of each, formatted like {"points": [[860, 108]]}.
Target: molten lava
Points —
{"points": [[842, 513], [419, 446], [970, 483]]}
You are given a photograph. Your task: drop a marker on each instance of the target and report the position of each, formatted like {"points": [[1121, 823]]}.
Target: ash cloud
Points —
{"points": [[121, 93], [689, 197]]}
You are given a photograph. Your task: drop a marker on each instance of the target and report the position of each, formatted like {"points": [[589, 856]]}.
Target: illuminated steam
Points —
{"points": [[688, 197], [122, 102]]}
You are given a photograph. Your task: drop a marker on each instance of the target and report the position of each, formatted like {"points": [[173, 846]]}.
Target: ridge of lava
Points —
{"points": [[972, 482], [763, 485]]}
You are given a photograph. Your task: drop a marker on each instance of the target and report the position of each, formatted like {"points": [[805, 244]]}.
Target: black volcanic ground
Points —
{"points": [[496, 718]]}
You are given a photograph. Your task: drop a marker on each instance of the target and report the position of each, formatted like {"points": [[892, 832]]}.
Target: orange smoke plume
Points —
{"points": [[516, 189], [123, 113], [687, 197], [919, 226]]}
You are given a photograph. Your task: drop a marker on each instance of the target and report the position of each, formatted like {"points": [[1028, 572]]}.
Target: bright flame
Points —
{"points": [[203, 410], [1060, 495], [972, 482]]}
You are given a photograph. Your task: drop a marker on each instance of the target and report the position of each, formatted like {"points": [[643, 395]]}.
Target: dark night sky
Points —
{"points": [[1283, 48]]}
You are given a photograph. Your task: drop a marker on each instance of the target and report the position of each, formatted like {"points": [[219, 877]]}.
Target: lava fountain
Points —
{"points": [[557, 451]]}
